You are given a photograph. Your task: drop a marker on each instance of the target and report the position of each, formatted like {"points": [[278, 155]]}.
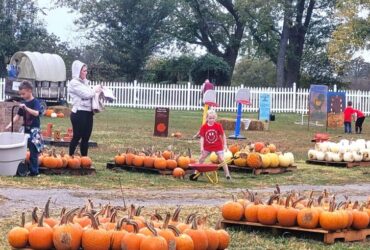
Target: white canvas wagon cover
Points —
{"points": [[39, 67]]}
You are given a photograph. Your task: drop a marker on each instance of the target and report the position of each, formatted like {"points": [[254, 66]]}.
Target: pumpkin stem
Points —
{"points": [[166, 220], [23, 219], [310, 202], [113, 217], [311, 194], [134, 224], [194, 224], [355, 205], [288, 200], [218, 225], [189, 218], [156, 216], [120, 223], [41, 220], [278, 191], [294, 204], [175, 216], [138, 211], [94, 222], [62, 212], [189, 152], [272, 198], [47, 209], [35, 218], [175, 230], [151, 228]]}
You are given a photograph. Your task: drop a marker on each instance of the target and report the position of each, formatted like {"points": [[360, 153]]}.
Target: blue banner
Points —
{"points": [[265, 107]]}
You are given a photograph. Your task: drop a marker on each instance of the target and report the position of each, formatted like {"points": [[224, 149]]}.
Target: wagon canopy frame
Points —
{"points": [[41, 67]]}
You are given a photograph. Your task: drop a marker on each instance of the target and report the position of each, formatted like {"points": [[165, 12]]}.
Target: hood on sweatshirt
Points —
{"points": [[76, 68]]}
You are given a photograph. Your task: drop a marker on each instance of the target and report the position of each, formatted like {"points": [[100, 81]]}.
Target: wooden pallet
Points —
{"points": [[51, 142], [319, 233], [340, 164], [258, 171], [68, 171], [115, 167]]}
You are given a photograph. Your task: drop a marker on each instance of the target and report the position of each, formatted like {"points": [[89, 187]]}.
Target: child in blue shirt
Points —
{"points": [[31, 110]]}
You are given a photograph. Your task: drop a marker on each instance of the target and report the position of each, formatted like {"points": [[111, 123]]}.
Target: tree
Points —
{"points": [[210, 67], [129, 31], [352, 34], [284, 44], [254, 72], [214, 24]]}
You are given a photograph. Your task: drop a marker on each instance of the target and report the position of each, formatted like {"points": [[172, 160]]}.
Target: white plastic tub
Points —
{"points": [[13, 149]]}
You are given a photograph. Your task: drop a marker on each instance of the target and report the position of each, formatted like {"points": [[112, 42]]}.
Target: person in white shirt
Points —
{"points": [[82, 113]]}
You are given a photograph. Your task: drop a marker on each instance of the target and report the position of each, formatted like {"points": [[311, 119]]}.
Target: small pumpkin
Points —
{"points": [[149, 161], [254, 160], [178, 173], [167, 154], [132, 240], [138, 161], [74, 162], [258, 146], [183, 241], [86, 162], [171, 164], [160, 163], [267, 214], [199, 237], [234, 148], [183, 162], [18, 236], [120, 159]]}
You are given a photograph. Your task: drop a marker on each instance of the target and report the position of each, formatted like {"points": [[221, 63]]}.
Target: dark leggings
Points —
{"points": [[82, 123], [359, 123]]}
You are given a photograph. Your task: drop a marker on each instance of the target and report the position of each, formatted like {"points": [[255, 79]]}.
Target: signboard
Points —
{"points": [[264, 107], [162, 116], [318, 103], [336, 106]]}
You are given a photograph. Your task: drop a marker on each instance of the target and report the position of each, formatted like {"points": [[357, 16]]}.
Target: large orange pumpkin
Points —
{"points": [[183, 241], [267, 214], [199, 237], [254, 160], [360, 218], [74, 162], [232, 210], [308, 217], [86, 162], [18, 236], [287, 215], [117, 235], [95, 238], [132, 240], [183, 162], [149, 161], [129, 158], [258, 146], [41, 236], [160, 163], [138, 161], [67, 235], [171, 164]]}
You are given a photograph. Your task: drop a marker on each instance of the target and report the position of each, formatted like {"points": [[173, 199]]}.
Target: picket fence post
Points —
{"points": [[135, 93], [188, 97], [335, 88], [294, 97]]}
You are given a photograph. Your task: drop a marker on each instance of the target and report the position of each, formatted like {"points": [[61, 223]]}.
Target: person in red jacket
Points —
{"points": [[348, 116], [213, 139], [359, 121]]}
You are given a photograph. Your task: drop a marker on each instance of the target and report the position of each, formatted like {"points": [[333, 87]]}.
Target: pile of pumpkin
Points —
{"points": [[51, 159], [51, 113], [290, 210], [107, 229], [345, 150], [166, 160], [256, 155]]}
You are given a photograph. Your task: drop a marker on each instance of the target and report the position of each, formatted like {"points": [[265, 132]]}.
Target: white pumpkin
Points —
{"points": [[329, 156], [228, 156], [284, 161], [53, 115], [334, 147], [337, 157], [290, 157], [344, 142], [312, 154], [357, 156], [368, 144], [348, 157], [320, 155], [354, 147], [324, 146]]}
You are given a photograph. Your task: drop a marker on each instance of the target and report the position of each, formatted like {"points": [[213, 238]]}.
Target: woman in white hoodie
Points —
{"points": [[82, 113]]}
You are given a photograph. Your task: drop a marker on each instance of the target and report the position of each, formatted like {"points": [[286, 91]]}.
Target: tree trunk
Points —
{"points": [[280, 64], [296, 43]]}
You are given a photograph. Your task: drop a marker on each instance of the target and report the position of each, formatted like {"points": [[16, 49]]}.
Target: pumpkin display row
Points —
{"points": [[51, 113], [290, 210], [256, 155], [51, 159], [161, 161], [343, 151], [104, 229]]}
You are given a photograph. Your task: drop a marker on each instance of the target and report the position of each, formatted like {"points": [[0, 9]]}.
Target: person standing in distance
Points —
{"points": [[82, 112]]}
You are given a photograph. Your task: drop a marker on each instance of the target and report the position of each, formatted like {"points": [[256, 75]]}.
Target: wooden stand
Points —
{"points": [[115, 167], [67, 171], [340, 164], [324, 235], [258, 171]]}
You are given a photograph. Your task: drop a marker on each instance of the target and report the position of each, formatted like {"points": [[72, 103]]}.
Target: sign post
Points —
{"points": [[242, 97], [162, 116]]}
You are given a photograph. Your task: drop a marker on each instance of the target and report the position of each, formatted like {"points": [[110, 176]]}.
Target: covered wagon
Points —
{"points": [[47, 73]]}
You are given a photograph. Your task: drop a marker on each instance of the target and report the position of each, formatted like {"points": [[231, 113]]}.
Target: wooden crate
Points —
{"points": [[258, 171], [340, 164], [68, 171], [324, 235], [51, 142], [115, 167]]}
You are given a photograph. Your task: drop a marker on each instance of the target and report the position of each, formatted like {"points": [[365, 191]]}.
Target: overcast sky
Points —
{"points": [[60, 22]]}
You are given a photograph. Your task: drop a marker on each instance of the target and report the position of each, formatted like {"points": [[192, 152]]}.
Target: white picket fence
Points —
{"points": [[187, 97]]}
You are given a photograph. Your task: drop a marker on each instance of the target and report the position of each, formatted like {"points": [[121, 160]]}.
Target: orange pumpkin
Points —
{"points": [[18, 236], [160, 163], [178, 173], [234, 148], [74, 162], [287, 216], [171, 164], [251, 211], [33, 223], [360, 218], [47, 219], [132, 240], [117, 235], [198, 236], [138, 161], [183, 241], [60, 115], [167, 154], [183, 162], [120, 159], [271, 147], [67, 235], [86, 162], [331, 219], [129, 158], [41, 236], [232, 210], [48, 112], [223, 239], [258, 146], [308, 217], [95, 238], [167, 233], [254, 160], [267, 214]]}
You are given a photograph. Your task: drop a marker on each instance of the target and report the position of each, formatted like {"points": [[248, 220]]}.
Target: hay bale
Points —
{"points": [[229, 124], [6, 114], [256, 125]]}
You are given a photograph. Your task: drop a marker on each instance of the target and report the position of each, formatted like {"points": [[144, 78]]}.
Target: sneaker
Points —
{"points": [[228, 178]]}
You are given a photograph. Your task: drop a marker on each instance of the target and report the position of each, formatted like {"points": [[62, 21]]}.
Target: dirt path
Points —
{"points": [[16, 199]]}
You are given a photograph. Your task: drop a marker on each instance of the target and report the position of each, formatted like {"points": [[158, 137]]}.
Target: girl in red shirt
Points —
{"points": [[213, 139], [359, 121]]}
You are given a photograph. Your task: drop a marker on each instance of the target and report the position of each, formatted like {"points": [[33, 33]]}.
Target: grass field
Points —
{"points": [[118, 129]]}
